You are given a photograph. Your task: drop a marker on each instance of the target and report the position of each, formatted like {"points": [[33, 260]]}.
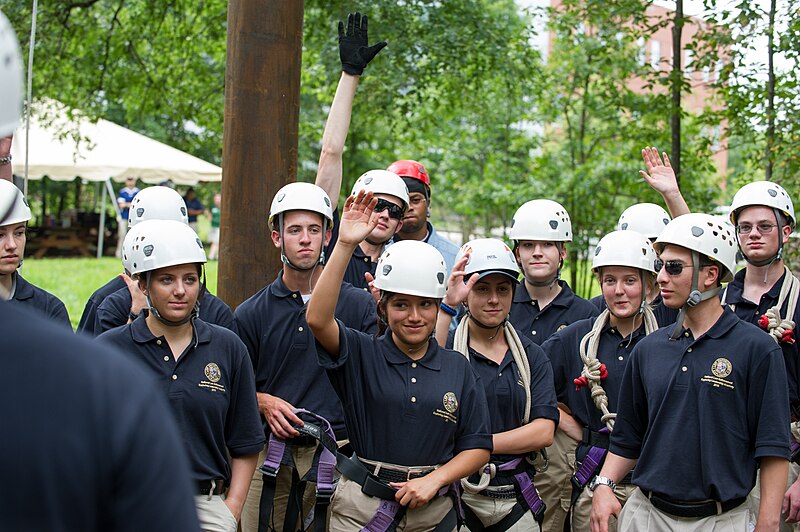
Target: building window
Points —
{"points": [[655, 54], [706, 73], [642, 56]]}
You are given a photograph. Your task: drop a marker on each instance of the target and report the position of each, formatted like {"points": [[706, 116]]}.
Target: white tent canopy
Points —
{"points": [[63, 149]]}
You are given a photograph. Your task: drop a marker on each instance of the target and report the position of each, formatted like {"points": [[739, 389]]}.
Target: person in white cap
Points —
{"points": [[517, 379], [589, 357], [682, 384]]}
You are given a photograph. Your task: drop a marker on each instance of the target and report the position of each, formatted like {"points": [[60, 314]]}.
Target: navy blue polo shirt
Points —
{"points": [[210, 389], [505, 395], [698, 414], [538, 324], [41, 301], [272, 324], [750, 312], [89, 316], [563, 349], [402, 411], [114, 310], [88, 442]]}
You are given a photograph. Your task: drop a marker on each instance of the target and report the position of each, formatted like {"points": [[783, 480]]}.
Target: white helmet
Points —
{"points": [[704, 234], [762, 193], [301, 196], [17, 209], [413, 268], [541, 219], [161, 243], [625, 248], [382, 182], [157, 203], [11, 74], [646, 218], [488, 256]]}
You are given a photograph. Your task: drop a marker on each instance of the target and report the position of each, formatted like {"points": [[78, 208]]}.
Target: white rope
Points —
{"points": [[776, 325], [461, 344], [31, 46], [591, 365]]}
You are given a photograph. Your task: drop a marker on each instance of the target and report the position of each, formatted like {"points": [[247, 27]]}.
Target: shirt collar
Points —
{"points": [[563, 299], [508, 358], [734, 292], [393, 355], [724, 324], [23, 289], [279, 289], [141, 334], [613, 331]]}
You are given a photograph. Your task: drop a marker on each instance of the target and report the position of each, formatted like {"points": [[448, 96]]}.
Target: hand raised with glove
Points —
{"points": [[354, 50]]}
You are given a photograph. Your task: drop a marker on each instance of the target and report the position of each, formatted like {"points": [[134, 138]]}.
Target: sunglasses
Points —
{"points": [[673, 267], [395, 211], [764, 229]]}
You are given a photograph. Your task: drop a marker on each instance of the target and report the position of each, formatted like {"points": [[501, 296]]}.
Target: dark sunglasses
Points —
{"points": [[395, 211], [673, 267]]}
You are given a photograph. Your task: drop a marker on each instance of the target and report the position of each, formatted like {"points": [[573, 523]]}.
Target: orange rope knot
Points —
{"points": [[583, 381], [763, 322]]}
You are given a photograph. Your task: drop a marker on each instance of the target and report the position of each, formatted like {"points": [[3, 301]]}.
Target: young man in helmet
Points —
{"points": [[415, 222], [124, 199], [13, 287], [542, 305], [272, 322], [761, 293], [703, 403], [392, 203]]}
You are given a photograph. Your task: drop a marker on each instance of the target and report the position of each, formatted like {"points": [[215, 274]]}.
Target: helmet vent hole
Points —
{"points": [[696, 231]]}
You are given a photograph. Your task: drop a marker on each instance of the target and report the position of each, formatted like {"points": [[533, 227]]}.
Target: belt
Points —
{"points": [[689, 509], [596, 439], [391, 473], [204, 487]]}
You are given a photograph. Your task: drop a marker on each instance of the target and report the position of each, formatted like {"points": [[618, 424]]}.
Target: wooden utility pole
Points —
{"points": [[259, 152], [675, 90]]}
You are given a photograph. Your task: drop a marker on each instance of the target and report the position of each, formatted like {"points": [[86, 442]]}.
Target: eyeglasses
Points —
{"points": [[673, 267], [764, 228], [394, 211]]}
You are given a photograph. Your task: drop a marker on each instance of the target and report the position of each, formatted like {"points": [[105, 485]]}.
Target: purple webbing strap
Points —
{"points": [[383, 518], [529, 492], [275, 449], [327, 460], [793, 446], [590, 463], [508, 466]]}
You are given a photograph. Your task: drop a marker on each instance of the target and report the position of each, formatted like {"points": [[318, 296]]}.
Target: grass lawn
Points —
{"points": [[73, 280]]}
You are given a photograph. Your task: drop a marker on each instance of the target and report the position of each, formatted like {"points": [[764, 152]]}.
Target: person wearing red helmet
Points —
{"points": [[415, 222]]}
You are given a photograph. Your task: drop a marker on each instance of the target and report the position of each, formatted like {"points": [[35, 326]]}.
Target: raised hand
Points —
{"points": [[354, 50], [659, 175], [457, 289], [358, 219]]}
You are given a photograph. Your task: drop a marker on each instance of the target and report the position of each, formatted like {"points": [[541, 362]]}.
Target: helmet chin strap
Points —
{"points": [[174, 323], [477, 322], [551, 282], [695, 296], [285, 259]]}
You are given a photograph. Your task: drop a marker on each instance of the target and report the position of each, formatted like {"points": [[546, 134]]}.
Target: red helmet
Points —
{"points": [[412, 169]]}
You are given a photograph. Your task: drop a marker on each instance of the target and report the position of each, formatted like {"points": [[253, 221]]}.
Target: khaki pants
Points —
{"points": [[491, 511], [351, 510], [554, 484], [303, 459], [214, 514], [639, 514], [754, 498], [582, 511]]}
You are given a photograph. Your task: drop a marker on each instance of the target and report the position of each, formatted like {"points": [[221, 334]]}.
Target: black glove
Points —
{"points": [[353, 45]]}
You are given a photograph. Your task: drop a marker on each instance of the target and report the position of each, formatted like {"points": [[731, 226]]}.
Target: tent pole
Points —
{"points": [[101, 229]]}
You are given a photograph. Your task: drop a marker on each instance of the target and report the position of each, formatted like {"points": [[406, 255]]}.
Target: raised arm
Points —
{"points": [[456, 294], [355, 54], [5, 151], [661, 177], [356, 223]]}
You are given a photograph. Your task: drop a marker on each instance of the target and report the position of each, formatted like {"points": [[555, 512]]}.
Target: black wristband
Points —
{"points": [[132, 316]]}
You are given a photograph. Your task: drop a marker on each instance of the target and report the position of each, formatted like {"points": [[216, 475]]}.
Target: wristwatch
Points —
{"points": [[598, 480], [6, 159]]}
